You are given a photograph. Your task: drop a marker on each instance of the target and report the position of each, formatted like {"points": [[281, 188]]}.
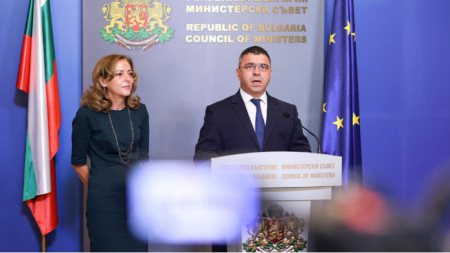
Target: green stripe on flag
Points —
{"points": [[29, 178], [49, 49], [29, 27]]}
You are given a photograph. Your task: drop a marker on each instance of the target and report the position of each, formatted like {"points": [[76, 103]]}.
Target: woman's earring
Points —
{"points": [[104, 88]]}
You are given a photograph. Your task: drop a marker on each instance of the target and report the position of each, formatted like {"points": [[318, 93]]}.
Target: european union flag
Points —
{"points": [[340, 124]]}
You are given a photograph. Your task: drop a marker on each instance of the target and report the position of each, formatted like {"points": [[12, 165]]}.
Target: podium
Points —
{"points": [[288, 182]]}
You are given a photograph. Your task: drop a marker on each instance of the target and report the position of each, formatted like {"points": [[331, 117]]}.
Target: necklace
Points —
{"points": [[128, 152]]}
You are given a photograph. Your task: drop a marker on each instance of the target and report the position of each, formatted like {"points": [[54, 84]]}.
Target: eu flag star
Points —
{"points": [[332, 39], [355, 119], [348, 28], [338, 122]]}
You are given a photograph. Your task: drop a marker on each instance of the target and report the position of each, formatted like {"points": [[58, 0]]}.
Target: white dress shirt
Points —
{"points": [[251, 108]]}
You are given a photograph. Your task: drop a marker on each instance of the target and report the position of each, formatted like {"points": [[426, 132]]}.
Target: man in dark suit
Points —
{"points": [[250, 120]]}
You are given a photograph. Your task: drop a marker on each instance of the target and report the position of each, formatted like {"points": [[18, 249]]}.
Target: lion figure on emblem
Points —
{"points": [[156, 15], [117, 14]]}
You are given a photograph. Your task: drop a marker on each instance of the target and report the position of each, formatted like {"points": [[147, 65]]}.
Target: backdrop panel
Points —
{"points": [[193, 62]]}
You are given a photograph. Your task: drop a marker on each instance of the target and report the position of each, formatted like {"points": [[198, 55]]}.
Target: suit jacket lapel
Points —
{"points": [[273, 116], [241, 111]]}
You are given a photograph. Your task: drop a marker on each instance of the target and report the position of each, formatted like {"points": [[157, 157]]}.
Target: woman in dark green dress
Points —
{"points": [[112, 129]]}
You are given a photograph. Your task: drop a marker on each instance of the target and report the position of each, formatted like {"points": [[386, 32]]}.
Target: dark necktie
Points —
{"points": [[259, 122]]}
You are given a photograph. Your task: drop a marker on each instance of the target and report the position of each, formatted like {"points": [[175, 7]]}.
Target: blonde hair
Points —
{"points": [[95, 97]]}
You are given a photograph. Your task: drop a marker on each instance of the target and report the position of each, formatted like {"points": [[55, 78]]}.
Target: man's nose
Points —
{"points": [[256, 70]]}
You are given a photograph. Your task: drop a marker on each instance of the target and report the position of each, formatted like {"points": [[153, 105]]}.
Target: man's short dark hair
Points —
{"points": [[254, 50]]}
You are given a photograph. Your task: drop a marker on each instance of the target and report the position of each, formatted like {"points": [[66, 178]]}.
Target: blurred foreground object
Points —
{"points": [[174, 202], [359, 219]]}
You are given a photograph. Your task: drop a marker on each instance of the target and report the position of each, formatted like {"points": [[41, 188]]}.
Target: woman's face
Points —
{"points": [[119, 87]]}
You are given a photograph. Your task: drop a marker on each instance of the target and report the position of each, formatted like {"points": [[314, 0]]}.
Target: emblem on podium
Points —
{"points": [[275, 231]]}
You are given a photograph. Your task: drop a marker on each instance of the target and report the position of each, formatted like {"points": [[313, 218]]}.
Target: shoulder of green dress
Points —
{"points": [[83, 110], [86, 112], [142, 107]]}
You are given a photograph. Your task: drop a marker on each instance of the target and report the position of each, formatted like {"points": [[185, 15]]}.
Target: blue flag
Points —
{"points": [[341, 122]]}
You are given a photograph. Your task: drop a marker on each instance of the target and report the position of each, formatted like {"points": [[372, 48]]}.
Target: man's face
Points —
{"points": [[254, 73]]}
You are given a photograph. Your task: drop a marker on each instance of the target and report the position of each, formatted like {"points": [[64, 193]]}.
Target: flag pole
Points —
{"points": [[44, 244]]}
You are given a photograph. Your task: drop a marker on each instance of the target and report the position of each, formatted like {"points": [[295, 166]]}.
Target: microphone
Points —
{"points": [[287, 115]]}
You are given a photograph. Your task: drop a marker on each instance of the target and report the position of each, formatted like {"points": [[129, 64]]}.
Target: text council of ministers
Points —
{"points": [[246, 38]]}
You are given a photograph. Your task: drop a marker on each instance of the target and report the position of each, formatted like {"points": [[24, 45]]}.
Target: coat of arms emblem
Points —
{"points": [[136, 24], [275, 231]]}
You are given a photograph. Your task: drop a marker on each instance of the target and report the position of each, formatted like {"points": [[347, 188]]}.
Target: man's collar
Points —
{"points": [[247, 97]]}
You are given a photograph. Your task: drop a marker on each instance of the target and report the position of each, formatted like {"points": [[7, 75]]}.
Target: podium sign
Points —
{"points": [[283, 169], [288, 181]]}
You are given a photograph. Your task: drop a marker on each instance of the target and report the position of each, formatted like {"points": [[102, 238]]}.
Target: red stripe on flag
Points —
{"points": [[44, 207], [53, 112], [23, 78]]}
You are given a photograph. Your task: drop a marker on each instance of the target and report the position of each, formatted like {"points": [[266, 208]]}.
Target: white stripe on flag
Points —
{"points": [[37, 108]]}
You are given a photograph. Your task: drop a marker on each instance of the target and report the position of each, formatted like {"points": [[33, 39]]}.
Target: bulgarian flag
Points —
{"points": [[37, 77]]}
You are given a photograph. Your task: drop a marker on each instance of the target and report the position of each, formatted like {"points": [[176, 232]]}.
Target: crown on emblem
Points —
{"points": [[137, 2]]}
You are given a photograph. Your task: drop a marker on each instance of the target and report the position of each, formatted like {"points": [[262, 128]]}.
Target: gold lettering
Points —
{"points": [[291, 176], [209, 39], [279, 39], [323, 175], [226, 9], [264, 176], [212, 27], [290, 10], [327, 166], [281, 28]]}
